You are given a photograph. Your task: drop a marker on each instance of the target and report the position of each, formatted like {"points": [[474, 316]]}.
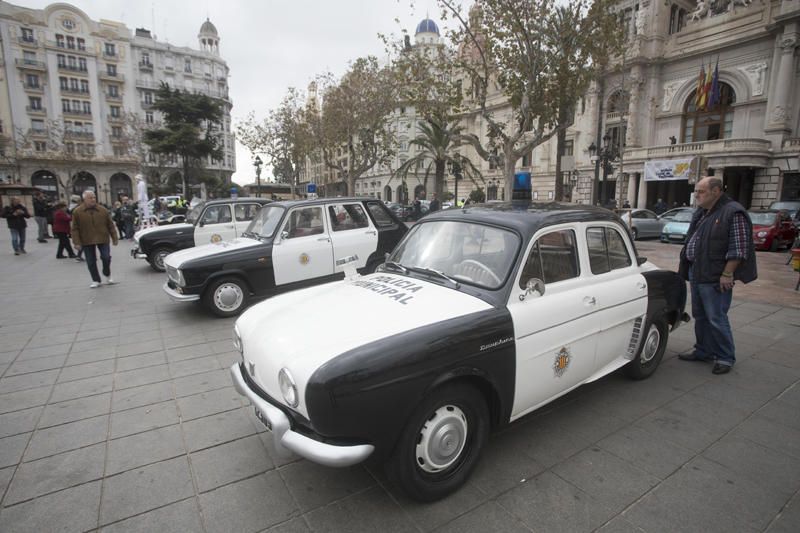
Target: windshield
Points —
{"points": [[763, 219], [266, 220], [466, 252], [194, 214], [683, 216]]}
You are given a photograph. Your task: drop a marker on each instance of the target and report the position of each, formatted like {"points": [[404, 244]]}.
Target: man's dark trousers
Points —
{"points": [[91, 259], [712, 328]]}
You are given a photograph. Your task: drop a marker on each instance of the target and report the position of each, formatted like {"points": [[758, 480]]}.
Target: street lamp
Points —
{"points": [[454, 165], [604, 156], [257, 163]]}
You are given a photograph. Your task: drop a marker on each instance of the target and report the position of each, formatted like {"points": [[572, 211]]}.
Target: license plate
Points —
{"points": [[263, 419], [674, 236]]}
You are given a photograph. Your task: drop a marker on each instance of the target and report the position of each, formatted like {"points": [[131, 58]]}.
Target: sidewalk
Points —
{"points": [[117, 414]]}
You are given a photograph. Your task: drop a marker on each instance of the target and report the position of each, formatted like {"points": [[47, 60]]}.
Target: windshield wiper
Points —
{"points": [[439, 273], [396, 266]]}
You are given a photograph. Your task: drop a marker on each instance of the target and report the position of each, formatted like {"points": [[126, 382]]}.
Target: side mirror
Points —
{"points": [[641, 260], [534, 285], [284, 235], [200, 222]]}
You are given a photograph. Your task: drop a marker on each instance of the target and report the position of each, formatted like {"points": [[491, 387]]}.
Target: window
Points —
{"points": [[60, 41], [40, 146], [217, 214], [569, 147], [187, 65], [379, 214], [709, 124], [345, 217], [607, 250], [70, 148], [27, 35], [304, 221], [73, 84], [526, 159], [62, 60], [84, 86], [553, 258], [113, 90], [65, 106], [148, 97], [116, 131], [115, 111], [87, 108], [32, 81], [37, 126], [110, 49], [677, 19], [70, 42], [111, 70], [35, 102], [119, 150], [63, 83], [68, 24], [81, 43], [245, 212], [148, 117], [82, 64], [76, 106]]}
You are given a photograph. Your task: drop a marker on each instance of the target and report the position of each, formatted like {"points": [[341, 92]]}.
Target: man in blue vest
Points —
{"points": [[718, 252]]}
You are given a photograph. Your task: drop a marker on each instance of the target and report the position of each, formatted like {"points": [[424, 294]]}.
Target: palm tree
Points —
{"points": [[437, 143]]}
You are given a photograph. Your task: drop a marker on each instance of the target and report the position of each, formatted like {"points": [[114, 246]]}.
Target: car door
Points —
{"points": [[215, 225], [648, 223], [554, 332], [243, 213], [620, 292], [352, 233], [302, 249]]}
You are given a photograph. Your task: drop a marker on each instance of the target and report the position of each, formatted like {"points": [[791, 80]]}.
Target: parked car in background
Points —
{"points": [[213, 221], [642, 223], [792, 206], [676, 227], [672, 213], [772, 229]]}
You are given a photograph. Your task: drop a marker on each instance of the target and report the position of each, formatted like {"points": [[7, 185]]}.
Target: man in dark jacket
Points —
{"points": [[15, 215], [40, 208], [435, 204], [718, 251], [92, 229]]}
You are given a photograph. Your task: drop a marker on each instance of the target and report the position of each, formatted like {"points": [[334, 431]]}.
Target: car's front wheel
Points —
{"points": [[226, 297], [156, 258], [635, 233], [651, 350], [441, 443]]}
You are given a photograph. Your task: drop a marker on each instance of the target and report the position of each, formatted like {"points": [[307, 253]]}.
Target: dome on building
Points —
{"points": [[208, 29], [427, 26]]}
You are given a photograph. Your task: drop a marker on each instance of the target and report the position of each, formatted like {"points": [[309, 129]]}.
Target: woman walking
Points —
{"points": [[61, 224]]}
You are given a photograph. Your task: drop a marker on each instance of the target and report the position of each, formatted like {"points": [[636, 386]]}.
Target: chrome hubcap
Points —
{"points": [[651, 344], [228, 296], [159, 259], [441, 439]]}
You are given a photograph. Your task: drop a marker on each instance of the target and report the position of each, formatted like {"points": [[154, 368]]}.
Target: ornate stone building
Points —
{"points": [[75, 95]]}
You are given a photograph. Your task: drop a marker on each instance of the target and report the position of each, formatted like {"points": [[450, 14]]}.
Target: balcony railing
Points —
{"points": [[80, 135], [30, 63], [110, 54], [29, 42], [38, 88], [81, 112], [613, 115], [105, 75], [147, 105], [145, 65], [115, 97], [79, 92], [73, 68], [36, 110], [147, 84], [706, 148], [792, 143]]}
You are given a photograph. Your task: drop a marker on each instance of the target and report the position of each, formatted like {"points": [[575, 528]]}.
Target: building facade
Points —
{"points": [[80, 94]]}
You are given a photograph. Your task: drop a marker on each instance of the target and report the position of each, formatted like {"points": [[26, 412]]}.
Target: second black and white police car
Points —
{"points": [[477, 318], [288, 245]]}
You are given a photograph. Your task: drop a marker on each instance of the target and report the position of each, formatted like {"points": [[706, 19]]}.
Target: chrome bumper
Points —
{"points": [[137, 254], [286, 440], [178, 297]]}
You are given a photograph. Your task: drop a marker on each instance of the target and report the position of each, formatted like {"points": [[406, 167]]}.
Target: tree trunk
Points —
{"points": [[184, 179], [561, 140], [509, 166], [439, 184]]}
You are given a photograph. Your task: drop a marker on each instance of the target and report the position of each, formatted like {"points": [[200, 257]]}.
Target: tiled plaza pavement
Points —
{"points": [[117, 414]]}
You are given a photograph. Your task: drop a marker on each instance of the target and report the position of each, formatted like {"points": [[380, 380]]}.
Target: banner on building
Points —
{"points": [[669, 169]]}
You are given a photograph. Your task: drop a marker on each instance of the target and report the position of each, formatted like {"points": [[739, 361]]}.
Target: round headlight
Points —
{"points": [[762, 233], [237, 340], [288, 388]]}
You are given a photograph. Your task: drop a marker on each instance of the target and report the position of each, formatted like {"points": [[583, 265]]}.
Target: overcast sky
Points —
{"points": [[269, 45]]}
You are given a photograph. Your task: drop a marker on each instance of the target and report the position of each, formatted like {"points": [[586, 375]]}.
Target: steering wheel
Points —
{"points": [[467, 263]]}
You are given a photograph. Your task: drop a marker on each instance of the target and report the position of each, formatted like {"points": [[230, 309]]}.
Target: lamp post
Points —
{"points": [[455, 169], [257, 163], [603, 158]]}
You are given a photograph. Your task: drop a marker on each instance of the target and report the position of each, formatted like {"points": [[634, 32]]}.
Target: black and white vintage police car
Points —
{"points": [[477, 318], [288, 245], [212, 221]]}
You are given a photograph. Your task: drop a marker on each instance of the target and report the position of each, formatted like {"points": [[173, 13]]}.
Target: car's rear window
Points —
{"points": [[380, 214]]}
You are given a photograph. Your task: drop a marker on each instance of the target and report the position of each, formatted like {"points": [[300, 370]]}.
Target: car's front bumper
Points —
{"points": [[136, 254], [286, 440], [178, 297]]}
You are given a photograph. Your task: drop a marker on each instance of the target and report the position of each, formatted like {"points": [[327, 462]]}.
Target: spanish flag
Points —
{"points": [[698, 94], [706, 91]]}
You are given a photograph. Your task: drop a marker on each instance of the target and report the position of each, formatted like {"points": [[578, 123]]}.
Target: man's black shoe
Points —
{"points": [[42, 240], [721, 369], [691, 357]]}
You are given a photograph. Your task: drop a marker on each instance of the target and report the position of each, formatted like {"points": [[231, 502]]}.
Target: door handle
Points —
{"points": [[641, 286], [589, 300], [371, 232], [322, 239]]}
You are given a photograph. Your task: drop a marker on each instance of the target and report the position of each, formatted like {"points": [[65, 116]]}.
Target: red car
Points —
{"points": [[772, 229]]}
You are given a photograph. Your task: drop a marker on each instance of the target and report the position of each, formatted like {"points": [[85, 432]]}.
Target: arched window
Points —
{"points": [[387, 193], [83, 181], [491, 192], [618, 102], [45, 181], [709, 124], [121, 186], [419, 192]]}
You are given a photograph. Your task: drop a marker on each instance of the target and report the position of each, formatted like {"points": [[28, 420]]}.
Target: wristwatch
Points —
{"points": [[726, 274]]}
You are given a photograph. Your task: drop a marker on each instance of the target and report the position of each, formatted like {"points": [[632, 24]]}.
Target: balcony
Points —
{"points": [[105, 75], [147, 84], [145, 66], [115, 119], [36, 110], [79, 135], [38, 89], [113, 97], [27, 42], [38, 133], [109, 54], [77, 92], [77, 112], [64, 47], [30, 64], [147, 105], [63, 67], [718, 153]]}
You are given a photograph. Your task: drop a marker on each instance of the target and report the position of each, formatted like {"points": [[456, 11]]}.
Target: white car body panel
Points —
{"points": [[176, 259]]}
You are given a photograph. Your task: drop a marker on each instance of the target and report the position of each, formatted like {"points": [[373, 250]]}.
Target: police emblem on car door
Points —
{"points": [[303, 248]]}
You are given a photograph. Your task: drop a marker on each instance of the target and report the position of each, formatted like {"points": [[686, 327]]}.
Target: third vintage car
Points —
{"points": [[288, 245], [477, 318]]}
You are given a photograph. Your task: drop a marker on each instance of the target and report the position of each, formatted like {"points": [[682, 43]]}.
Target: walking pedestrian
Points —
{"points": [[92, 229], [74, 202], [40, 208], [61, 229], [718, 251], [15, 215], [435, 204], [128, 215]]}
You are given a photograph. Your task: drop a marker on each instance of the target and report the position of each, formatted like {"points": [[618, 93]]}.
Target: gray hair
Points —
{"points": [[87, 194], [714, 182]]}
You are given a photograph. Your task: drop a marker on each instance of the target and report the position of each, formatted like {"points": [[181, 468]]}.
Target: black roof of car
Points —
{"points": [[524, 216], [318, 201], [238, 200]]}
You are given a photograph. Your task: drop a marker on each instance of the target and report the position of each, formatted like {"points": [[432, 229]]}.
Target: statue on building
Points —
{"points": [[710, 8], [141, 197]]}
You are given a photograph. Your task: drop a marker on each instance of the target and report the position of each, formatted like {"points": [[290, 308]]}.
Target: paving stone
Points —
{"points": [[646, 451], [14, 401], [548, 503], [142, 395], [58, 439], [40, 341], [145, 488], [56, 472], [22, 421], [78, 409], [133, 362], [678, 427], [209, 403], [777, 437], [628, 399], [194, 366], [249, 505], [86, 370], [143, 418], [6, 358], [781, 413], [93, 355], [217, 429], [228, 359], [82, 387], [789, 518], [315, 485], [486, 518], [206, 381], [547, 442], [44, 351], [191, 351], [150, 345], [790, 396], [5, 478], [619, 525], [223, 464], [27, 381], [26, 366], [130, 330], [140, 376], [73, 509], [180, 516], [296, 525], [591, 424], [371, 510], [144, 448], [11, 449], [504, 464]]}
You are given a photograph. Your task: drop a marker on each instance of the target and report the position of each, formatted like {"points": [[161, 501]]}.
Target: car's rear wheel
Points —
{"points": [[634, 233], [774, 246], [156, 258], [226, 296], [441, 443], [651, 350]]}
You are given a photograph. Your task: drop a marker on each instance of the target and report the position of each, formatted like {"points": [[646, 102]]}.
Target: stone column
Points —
{"points": [[780, 107], [641, 201], [635, 85], [632, 177]]}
